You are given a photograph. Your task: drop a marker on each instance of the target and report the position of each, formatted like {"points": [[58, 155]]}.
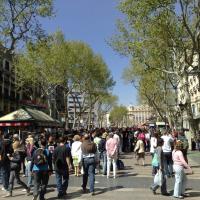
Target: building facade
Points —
{"points": [[79, 112], [138, 115], [194, 95], [9, 97]]}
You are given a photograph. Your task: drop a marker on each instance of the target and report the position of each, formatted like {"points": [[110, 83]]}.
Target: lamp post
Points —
{"points": [[181, 106]]}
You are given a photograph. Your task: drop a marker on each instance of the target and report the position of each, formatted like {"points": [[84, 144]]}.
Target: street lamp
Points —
{"points": [[182, 107]]}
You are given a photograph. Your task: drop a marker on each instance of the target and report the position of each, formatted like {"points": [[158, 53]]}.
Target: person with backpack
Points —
{"points": [[61, 158], [41, 167], [15, 166]]}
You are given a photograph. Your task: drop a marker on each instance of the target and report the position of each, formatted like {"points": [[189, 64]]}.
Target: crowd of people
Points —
{"points": [[87, 153]]}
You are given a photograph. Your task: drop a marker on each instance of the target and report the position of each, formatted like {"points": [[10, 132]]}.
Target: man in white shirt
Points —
{"points": [[167, 151]]}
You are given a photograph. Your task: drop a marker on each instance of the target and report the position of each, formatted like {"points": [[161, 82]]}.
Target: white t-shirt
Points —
{"points": [[76, 148], [167, 143], [153, 144]]}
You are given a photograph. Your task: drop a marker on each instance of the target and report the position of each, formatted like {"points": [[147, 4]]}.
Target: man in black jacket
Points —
{"points": [[102, 150], [5, 151], [61, 160]]}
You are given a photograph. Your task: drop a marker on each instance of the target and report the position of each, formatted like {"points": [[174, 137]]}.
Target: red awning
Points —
{"points": [[14, 124]]}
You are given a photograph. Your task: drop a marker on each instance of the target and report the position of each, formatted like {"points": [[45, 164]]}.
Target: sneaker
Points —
{"points": [[84, 190], [166, 194], [60, 196], [34, 198], [154, 192], [28, 191], [92, 193], [179, 197], [3, 189], [185, 195], [9, 194]]}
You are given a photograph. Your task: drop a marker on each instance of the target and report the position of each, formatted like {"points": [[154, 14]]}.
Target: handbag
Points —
{"points": [[158, 178]]}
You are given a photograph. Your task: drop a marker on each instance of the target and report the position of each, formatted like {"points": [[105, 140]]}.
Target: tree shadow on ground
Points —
{"points": [[195, 166], [99, 191], [78, 193], [128, 168], [125, 174], [71, 195], [193, 194]]}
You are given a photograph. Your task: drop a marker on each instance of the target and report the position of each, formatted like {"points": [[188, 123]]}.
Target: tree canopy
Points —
{"points": [[19, 21], [162, 36]]}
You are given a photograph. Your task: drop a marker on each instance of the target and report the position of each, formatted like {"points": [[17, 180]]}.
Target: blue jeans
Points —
{"points": [[5, 175], [168, 163], [0, 175], [89, 170], [180, 181], [41, 179], [29, 174], [104, 161], [62, 182]]}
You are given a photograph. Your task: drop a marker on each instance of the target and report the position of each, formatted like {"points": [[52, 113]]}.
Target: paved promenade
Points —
{"points": [[132, 183]]}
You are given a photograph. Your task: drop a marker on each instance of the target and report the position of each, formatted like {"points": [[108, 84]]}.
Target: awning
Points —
{"points": [[28, 117]]}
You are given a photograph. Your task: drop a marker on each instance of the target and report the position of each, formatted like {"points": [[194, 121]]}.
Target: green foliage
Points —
{"points": [[118, 115], [70, 65], [19, 20]]}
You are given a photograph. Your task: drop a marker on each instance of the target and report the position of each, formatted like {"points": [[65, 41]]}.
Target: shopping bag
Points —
{"points": [[158, 178]]}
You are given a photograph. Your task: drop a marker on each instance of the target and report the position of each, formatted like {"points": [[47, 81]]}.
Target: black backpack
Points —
{"points": [[40, 157], [120, 165]]}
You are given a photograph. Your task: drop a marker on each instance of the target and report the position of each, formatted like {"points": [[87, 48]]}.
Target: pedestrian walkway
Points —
{"points": [[132, 183], [146, 171]]}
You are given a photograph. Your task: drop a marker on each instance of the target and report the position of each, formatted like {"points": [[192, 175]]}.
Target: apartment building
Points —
{"points": [[138, 115], [194, 95], [9, 97]]}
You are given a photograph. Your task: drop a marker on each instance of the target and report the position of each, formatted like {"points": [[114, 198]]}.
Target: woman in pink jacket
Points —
{"points": [[111, 150], [179, 165]]}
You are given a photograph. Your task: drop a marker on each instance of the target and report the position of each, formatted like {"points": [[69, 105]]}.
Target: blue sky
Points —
{"points": [[93, 21]]}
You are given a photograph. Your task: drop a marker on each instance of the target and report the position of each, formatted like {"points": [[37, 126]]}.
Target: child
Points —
{"points": [[160, 157]]}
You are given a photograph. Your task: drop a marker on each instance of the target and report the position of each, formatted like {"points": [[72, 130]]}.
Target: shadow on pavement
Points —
{"points": [[195, 166], [194, 194], [128, 168], [71, 195], [126, 174], [99, 191]]}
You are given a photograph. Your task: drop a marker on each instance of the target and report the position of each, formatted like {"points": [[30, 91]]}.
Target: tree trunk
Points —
{"points": [[66, 110]]}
